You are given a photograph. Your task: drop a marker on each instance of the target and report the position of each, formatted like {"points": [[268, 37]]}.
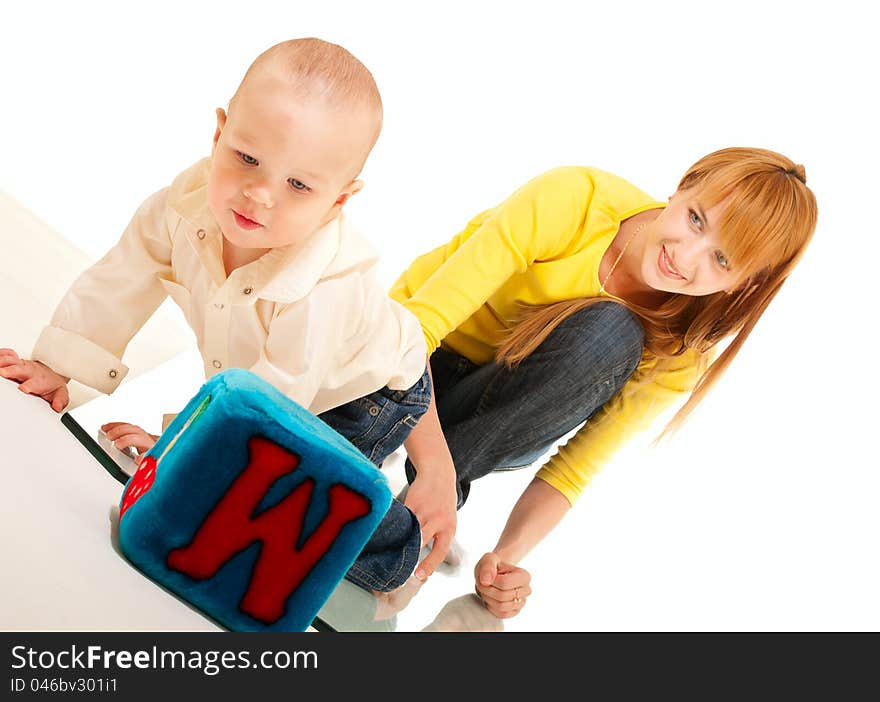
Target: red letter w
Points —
{"points": [[281, 564]]}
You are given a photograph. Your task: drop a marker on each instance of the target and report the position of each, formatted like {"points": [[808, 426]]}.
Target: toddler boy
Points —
{"points": [[253, 245]]}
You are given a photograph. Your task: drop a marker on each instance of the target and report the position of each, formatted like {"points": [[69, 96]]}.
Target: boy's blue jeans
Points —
{"points": [[377, 425], [495, 418]]}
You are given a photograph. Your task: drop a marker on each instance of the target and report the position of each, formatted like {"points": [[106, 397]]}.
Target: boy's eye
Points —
{"points": [[722, 260], [298, 185], [249, 160]]}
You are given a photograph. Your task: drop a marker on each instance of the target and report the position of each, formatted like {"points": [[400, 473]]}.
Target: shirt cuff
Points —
{"points": [[76, 357], [563, 484]]}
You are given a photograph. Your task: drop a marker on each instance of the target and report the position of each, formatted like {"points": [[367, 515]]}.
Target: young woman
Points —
{"points": [[580, 300]]}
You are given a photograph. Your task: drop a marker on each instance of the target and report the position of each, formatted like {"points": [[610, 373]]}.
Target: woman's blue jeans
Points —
{"points": [[377, 425], [496, 418], [493, 418]]}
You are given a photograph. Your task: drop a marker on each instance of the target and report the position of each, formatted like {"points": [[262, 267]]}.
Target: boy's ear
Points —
{"points": [[221, 122], [352, 188], [345, 195]]}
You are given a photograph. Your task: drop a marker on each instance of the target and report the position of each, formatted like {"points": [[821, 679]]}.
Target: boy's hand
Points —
{"points": [[433, 498], [35, 378], [124, 435]]}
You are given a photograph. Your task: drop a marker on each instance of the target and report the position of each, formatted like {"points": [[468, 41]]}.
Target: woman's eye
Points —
{"points": [[249, 160], [695, 219], [298, 184], [722, 260]]}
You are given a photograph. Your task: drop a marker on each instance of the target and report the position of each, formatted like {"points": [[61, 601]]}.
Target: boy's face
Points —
{"points": [[282, 166]]}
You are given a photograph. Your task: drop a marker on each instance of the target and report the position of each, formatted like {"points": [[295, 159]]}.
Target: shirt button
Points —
{"points": [[200, 233], [112, 373], [248, 291], [218, 305], [217, 364]]}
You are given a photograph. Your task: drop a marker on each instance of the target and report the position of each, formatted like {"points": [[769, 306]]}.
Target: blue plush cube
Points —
{"points": [[250, 507]]}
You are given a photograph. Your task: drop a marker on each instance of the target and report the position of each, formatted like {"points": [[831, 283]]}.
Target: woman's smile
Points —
{"points": [[667, 267]]}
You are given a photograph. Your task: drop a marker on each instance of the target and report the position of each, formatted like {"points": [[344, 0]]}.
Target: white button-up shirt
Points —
{"points": [[311, 318]]}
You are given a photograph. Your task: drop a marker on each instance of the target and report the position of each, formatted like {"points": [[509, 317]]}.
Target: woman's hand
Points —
{"points": [[124, 435], [433, 499], [35, 378], [502, 587]]}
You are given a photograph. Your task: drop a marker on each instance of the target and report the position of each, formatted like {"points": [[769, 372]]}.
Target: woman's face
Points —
{"points": [[682, 251]]}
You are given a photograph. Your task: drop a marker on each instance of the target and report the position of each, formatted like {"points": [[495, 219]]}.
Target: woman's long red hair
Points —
{"points": [[769, 218]]}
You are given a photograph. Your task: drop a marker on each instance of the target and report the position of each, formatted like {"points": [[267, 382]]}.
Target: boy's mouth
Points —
{"points": [[245, 222]]}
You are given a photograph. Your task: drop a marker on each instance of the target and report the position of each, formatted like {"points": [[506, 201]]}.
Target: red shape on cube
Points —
{"points": [[230, 528], [140, 482]]}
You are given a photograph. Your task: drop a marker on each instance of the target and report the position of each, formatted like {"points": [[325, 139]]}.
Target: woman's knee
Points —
{"points": [[605, 334]]}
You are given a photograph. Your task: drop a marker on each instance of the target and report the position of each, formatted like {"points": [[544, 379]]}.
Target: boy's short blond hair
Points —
{"points": [[319, 69]]}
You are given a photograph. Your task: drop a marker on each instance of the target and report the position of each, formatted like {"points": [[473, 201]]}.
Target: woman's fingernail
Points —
{"points": [[420, 574]]}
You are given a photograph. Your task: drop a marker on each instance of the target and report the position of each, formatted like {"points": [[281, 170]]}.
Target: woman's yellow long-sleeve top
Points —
{"points": [[542, 245]]}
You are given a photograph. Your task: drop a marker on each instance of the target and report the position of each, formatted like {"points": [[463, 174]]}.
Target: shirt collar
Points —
{"points": [[289, 272]]}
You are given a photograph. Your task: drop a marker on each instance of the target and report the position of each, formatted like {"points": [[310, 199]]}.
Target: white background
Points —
{"points": [[762, 513]]}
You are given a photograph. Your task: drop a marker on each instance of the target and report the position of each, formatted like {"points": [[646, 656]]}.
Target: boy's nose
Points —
{"points": [[259, 193]]}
